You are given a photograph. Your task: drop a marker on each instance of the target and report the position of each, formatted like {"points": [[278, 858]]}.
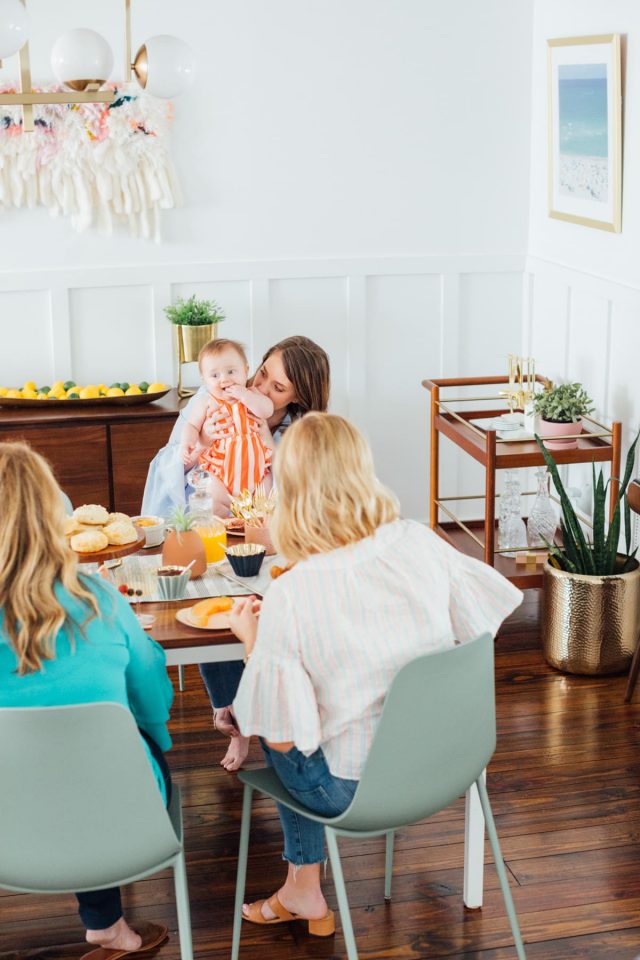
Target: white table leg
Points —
{"points": [[473, 849]]}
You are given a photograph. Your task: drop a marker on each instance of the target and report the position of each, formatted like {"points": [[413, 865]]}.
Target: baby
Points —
{"points": [[238, 459]]}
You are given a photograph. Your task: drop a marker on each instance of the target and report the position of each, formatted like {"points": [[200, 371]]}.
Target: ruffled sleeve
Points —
{"points": [[276, 699], [480, 597]]}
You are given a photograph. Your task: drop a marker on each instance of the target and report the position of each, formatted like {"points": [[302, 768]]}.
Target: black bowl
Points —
{"points": [[246, 559]]}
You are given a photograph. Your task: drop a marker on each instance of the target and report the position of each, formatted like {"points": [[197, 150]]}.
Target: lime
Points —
{"points": [[68, 384], [144, 386], [124, 386], [44, 390]]}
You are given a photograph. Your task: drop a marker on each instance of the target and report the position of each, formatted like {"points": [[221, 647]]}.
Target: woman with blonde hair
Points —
{"points": [[67, 638], [368, 593]]}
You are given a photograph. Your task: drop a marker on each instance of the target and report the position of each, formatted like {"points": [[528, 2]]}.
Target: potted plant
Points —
{"points": [[183, 543], [196, 322], [560, 410], [591, 597]]}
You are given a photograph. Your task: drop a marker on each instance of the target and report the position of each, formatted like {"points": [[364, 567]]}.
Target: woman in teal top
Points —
{"points": [[68, 638]]}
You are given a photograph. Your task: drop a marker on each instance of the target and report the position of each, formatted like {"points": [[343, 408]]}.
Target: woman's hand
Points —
{"points": [[243, 621], [211, 427]]}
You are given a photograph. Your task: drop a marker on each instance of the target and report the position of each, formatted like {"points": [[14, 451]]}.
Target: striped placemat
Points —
{"points": [[138, 571]]}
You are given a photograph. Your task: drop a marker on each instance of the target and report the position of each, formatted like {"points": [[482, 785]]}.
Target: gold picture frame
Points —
{"points": [[585, 131]]}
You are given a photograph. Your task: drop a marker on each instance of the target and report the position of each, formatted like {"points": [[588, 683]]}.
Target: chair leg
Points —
{"points": [[502, 874], [180, 677], [182, 907], [242, 869], [473, 850], [633, 674], [341, 894], [388, 866]]}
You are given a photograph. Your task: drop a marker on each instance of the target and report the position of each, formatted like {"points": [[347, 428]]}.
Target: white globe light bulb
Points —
{"points": [[14, 27], [82, 59], [165, 66]]}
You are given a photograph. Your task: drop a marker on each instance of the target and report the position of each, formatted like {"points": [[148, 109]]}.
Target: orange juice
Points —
{"points": [[214, 538]]}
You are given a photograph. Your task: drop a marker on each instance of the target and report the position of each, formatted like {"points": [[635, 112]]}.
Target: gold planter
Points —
{"points": [[590, 624], [191, 340]]}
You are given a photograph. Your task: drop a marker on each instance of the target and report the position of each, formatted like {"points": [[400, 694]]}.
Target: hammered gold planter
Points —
{"points": [[191, 340], [590, 624]]}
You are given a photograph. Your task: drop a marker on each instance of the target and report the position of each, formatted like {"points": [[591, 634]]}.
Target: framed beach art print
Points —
{"points": [[585, 131]]}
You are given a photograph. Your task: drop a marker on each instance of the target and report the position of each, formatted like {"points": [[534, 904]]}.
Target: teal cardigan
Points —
{"points": [[110, 659]]}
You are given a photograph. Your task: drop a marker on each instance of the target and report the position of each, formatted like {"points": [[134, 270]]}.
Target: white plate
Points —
{"points": [[219, 621]]}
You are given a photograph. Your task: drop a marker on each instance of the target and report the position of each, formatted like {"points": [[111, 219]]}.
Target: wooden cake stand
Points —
{"points": [[113, 552]]}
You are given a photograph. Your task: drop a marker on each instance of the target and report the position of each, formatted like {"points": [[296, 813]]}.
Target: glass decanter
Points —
{"points": [[542, 522], [201, 500], [512, 533]]}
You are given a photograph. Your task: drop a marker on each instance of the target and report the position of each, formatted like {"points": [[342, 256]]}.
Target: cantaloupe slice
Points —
{"points": [[201, 611]]}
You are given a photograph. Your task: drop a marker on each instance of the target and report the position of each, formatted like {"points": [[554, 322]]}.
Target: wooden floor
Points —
{"points": [[565, 788]]}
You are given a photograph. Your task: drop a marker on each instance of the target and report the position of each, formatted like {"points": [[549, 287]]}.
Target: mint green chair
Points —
{"points": [[80, 808], [441, 709]]}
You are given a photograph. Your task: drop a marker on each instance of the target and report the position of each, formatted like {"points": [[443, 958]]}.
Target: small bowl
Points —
{"points": [[153, 529], [172, 582], [246, 558]]}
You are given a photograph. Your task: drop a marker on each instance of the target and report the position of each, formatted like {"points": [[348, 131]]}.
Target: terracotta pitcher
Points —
{"points": [[181, 547]]}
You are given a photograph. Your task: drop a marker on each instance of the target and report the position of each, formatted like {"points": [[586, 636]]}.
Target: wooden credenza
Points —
{"points": [[99, 454]]}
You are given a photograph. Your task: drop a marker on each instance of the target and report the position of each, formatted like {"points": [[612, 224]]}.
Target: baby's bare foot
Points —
{"points": [[119, 936], [236, 754]]}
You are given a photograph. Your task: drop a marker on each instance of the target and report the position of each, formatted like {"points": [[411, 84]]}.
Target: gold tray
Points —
{"points": [[131, 401]]}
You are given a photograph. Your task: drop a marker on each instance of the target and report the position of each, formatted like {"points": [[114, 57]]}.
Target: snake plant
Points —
{"points": [[598, 556]]}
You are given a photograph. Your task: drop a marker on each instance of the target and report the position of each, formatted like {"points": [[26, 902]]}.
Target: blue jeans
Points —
{"points": [[222, 681], [308, 780]]}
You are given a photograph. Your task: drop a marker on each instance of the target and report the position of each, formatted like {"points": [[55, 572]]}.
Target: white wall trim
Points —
{"points": [[217, 270]]}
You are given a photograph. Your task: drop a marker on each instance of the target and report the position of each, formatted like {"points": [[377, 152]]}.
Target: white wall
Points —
{"points": [[352, 170], [584, 284]]}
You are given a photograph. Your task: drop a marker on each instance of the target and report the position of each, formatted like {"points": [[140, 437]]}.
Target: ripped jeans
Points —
{"points": [[309, 781]]}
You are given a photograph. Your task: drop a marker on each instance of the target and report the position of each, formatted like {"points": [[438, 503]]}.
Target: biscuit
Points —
{"points": [[71, 526], [91, 513], [120, 532], [118, 516], [90, 541]]}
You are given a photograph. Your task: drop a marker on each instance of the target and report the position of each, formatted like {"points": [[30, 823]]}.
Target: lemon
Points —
{"points": [[58, 385], [3, 391], [28, 393], [52, 396], [29, 385], [133, 391], [14, 394], [58, 392], [41, 396], [89, 393], [156, 387], [115, 392]]}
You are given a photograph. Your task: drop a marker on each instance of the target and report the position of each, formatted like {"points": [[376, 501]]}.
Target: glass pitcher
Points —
{"points": [[542, 522]]}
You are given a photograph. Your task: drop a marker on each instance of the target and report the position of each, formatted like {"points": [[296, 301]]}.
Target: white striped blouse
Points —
{"points": [[335, 630]]}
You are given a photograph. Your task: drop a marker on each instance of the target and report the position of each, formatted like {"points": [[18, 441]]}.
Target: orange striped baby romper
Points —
{"points": [[240, 459]]}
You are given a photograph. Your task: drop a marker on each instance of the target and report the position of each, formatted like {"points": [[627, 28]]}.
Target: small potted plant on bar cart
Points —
{"points": [[591, 589], [561, 410]]}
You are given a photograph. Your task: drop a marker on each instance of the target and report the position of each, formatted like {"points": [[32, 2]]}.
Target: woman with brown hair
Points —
{"points": [[66, 638], [295, 376]]}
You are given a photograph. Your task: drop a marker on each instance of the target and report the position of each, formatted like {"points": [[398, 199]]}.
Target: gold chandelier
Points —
{"points": [[82, 61]]}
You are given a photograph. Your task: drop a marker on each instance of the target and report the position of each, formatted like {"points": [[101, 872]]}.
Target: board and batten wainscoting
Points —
{"points": [[387, 323], [586, 328]]}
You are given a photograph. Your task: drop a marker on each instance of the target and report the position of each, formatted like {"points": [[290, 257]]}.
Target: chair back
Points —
{"points": [[80, 808], [436, 734]]}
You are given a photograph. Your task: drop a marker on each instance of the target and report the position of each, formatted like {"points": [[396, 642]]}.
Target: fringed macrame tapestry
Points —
{"points": [[99, 163]]}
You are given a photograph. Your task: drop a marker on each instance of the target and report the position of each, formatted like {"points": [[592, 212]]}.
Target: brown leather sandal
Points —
{"points": [[325, 927], [153, 934]]}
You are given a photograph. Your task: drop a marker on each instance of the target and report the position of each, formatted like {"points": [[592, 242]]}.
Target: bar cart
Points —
{"points": [[448, 418]]}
